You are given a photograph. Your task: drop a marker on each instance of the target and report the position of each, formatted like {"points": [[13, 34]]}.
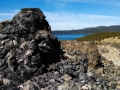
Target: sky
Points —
{"points": [[67, 14]]}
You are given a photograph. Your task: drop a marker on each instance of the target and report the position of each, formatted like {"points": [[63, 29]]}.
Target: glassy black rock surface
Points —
{"points": [[27, 46]]}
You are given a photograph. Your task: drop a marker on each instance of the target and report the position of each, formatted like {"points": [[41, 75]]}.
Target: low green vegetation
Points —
{"points": [[99, 36]]}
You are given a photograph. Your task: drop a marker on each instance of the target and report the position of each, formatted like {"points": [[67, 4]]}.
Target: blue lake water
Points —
{"points": [[70, 36]]}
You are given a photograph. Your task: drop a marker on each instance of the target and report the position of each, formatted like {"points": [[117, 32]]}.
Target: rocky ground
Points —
{"points": [[106, 53], [31, 58], [83, 66]]}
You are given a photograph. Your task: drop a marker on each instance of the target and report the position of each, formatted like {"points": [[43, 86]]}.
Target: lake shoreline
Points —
{"points": [[70, 36]]}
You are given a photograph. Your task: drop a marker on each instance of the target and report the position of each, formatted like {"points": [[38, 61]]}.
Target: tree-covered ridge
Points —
{"points": [[114, 28], [99, 36]]}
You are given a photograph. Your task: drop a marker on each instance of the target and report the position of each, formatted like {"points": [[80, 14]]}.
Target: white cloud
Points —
{"points": [[67, 21], [104, 2], [7, 16]]}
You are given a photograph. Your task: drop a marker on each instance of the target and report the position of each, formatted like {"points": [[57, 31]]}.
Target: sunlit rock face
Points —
{"points": [[27, 46]]}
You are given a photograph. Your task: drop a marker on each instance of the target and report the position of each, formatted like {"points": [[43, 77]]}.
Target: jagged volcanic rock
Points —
{"points": [[27, 46], [69, 74]]}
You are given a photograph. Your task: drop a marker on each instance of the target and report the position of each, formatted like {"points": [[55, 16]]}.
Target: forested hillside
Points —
{"points": [[115, 28]]}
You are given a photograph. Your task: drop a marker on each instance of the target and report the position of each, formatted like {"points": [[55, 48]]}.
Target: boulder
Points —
{"points": [[27, 46]]}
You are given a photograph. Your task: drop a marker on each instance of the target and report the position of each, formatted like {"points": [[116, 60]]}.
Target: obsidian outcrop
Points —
{"points": [[27, 46]]}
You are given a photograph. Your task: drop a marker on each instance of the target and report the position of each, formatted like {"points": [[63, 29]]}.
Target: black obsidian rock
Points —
{"points": [[27, 46]]}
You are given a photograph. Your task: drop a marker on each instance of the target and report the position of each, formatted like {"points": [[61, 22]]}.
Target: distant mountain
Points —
{"points": [[115, 28]]}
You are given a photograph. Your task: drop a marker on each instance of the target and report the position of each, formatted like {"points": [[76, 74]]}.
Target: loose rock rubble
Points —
{"points": [[89, 48], [106, 67], [68, 75]]}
